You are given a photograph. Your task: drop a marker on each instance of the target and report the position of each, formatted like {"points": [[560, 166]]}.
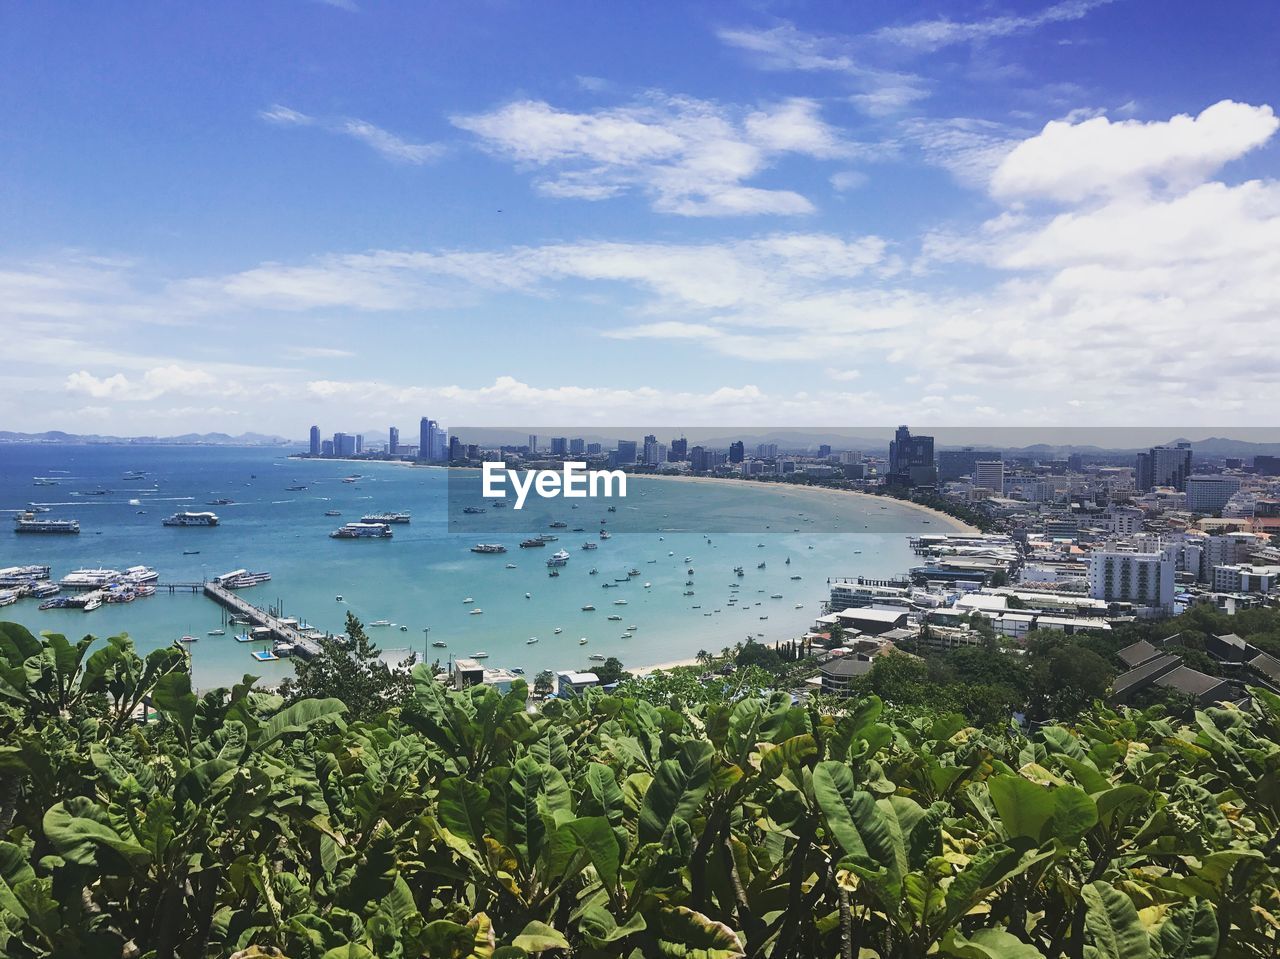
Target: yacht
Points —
{"points": [[191, 519], [468, 600], [385, 518], [559, 558], [489, 548], [362, 531], [510, 565], [188, 639], [92, 603]]}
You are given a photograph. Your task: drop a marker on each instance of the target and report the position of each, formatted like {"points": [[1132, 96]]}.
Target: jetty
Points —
{"points": [[281, 629]]}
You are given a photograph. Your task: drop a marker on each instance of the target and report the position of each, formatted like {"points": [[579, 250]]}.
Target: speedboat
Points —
{"points": [[582, 641], [511, 566], [381, 622], [588, 608], [558, 630], [619, 602], [480, 655], [476, 612], [616, 618], [468, 600], [531, 640], [439, 645]]}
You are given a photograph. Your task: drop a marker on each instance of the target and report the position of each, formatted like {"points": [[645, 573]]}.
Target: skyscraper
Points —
{"points": [[953, 464], [577, 446], [393, 440], [359, 443], [344, 444], [679, 450], [559, 446], [433, 441], [989, 474], [911, 459], [626, 451], [737, 452], [315, 441], [1164, 466], [533, 442]]}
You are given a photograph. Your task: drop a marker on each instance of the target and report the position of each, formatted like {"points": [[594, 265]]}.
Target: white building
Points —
{"points": [[989, 474], [1244, 578], [1143, 579], [1209, 494], [1125, 520]]}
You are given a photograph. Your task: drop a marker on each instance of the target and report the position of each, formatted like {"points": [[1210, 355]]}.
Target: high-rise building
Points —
{"points": [[911, 459], [954, 464], [393, 441], [679, 450], [1267, 465], [1164, 466], [824, 450], [989, 474], [698, 459], [359, 443], [626, 451], [326, 448], [577, 446], [1144, 579], [433, 441], [767, 451], [1208, 494], [457, 452], [593, 449], [559, 446], [344, 444], [533, 442], [315, 441], [737, 452], [655, 453]]}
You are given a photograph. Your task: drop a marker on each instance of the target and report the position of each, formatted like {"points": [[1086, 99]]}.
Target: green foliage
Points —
{"points": [[460, 824]]}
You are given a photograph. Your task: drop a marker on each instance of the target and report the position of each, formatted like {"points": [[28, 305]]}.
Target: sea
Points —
{"points": [[683, 539]]}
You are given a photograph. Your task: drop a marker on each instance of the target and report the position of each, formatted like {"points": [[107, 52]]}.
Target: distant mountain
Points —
{"points": [[185, 439]]}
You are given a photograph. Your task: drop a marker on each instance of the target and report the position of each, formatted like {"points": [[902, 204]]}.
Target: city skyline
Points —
{"points": [[914, 213]]}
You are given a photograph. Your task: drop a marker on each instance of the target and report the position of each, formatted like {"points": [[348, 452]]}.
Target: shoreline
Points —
{"points": [[955, 525]]}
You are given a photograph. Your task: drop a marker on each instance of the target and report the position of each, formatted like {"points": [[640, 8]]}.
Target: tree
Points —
{"points": [[610, 671], [544, 684], [758, 654], [352, 671]]}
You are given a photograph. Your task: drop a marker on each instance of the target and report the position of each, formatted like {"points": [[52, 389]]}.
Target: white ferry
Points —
{"points": [[590, 545], [385, 518], [241, 579], [22, 575], [90, 578], [362, 530], [559, 558], [30, 523], [137, 575], [488, 548], [191, 519]]}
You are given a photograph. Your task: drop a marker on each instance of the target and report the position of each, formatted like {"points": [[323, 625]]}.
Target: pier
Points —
{"points": [[281, 629]]}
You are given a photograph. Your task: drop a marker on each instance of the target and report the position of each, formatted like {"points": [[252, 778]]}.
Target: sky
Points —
{"points": [[257, 216]]}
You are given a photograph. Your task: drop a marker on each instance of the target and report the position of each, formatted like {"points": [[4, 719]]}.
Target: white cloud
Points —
{"points": [[1073, 161], [784, 47], [154, 383], [847, 180], [930, 35], [690, 157], [387, 144]]}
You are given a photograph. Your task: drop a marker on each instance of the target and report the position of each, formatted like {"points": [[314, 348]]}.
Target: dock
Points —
{"points": [[281, 629]]}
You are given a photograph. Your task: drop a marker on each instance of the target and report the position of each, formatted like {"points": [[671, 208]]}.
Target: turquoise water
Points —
{"points": [[421, 577]]}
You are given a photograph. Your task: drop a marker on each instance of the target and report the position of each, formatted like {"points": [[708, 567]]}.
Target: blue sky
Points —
{"points": [[255, 216]]}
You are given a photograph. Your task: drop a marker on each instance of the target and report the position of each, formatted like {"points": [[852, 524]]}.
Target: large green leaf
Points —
{"points": [[677, 789], [989, 944], [858, 824], [1190, 932], [1031, 811], [77, 828], [296, 718], [1113, 924], [539, 937], [598, 839]]}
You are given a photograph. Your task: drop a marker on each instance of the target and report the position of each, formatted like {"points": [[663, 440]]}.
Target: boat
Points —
{"points": [[332, 512], [386, 518], [593, 571], [559, 558], [468, 600], [632, 628], [528, 595], [687, 592], [613, 509], [43, 481], [553, 572], [764, 617], [626, 636], [531, 640], [498, 504], [92, 603], [633, 571], [296, 488], [558, 630], [582, 641], [738, 570], [558, 524], [687, 559], [795, 577], [760, 566], [216, 632], [191, 519], [799, 606], [242, 579], [187, 639], [381, 622], [137, 575], [362, 531], [191, 552], [616, 618], [532, 543], [605, 534], [404, 629], [510, 565], [472, 510], [476, 612], [90, 578], [609, 586], [439, 645], [518, 670], [223, 501], [589, 545], [775, 596], [597, 658], [480, 655], [28, 522], [619, 602], [588, 608], [338, 598], [548, 537], [490, 548]]}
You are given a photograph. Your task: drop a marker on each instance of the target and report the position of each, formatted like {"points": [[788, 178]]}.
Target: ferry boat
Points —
{"points": [[362, 530], [30, 523], [137, 575], [532, 543], [8, 597], [385, 518], [472, 510], [20, 575], [488, 548], [558, 524], [90, 578], [590, 545], [559, 558], [44, 590], [241, 579], [191, 519]]}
